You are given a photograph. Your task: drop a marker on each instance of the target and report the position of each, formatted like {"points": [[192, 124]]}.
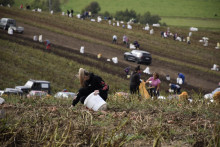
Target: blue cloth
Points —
{"points": [[180, 75]]}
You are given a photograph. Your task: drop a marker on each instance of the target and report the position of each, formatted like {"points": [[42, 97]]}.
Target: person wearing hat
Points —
{"points": [[135, 80], [90, 83]]}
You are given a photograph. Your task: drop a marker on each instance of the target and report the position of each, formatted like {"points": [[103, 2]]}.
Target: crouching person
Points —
{"points": [[90, 83], [154, 85]]}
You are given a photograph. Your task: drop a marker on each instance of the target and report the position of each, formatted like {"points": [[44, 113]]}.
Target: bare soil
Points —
{"points": [[193, 79]]}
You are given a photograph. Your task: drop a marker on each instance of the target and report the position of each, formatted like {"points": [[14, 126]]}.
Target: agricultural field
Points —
{"points": [[179, 12], [128, 121]]}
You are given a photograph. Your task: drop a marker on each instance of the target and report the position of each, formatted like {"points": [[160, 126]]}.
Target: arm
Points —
{"points": [[158, 86]]}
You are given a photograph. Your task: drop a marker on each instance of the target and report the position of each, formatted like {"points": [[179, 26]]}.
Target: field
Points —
{"points": [[129, 121], [179, 12]]}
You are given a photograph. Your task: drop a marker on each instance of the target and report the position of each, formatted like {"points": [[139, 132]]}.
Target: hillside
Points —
{"points": [[128, 121], [185, 13], [169, 57]]}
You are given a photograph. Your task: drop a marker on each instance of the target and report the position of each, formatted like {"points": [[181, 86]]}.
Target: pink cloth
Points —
{"points": [[155, 82]]}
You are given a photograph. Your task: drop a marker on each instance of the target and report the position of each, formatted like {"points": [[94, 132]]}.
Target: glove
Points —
{"points": [[96, 92]]}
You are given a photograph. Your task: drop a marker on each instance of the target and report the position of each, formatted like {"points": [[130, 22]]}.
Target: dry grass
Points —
{"points": [[127, 122]]}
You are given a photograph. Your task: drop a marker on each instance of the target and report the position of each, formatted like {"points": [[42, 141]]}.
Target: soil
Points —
{"points": [[192, 79]]}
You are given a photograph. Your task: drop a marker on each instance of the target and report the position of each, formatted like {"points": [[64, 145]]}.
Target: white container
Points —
{"points": [[99, 19], [132, 46], [35, 38], [63, 13], [40, 38], [171, 90], [51, 12], [115, 60], [179, 81], [167, 77], [118, 23], [94, 102], [78, 15], [151, 31], [82, 50], [2, 100], [156, 25], [147, 70], [129, 27], [193, 29], [10, 31]]}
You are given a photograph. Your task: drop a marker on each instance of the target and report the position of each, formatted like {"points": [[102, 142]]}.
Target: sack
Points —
{"points": [[143, 90]]}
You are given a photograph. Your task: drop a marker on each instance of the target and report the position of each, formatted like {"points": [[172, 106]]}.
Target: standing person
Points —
{"points": [[48, 44], [114, 39], [135, 81], [90, 83], [21, 6], [154, 83], [180, 75], [71, 12], [125, 39], [68, 13]]}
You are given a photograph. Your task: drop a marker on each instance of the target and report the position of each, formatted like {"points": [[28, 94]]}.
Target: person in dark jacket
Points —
{"points": [[90, 83], [135, 81], [175, 87]]}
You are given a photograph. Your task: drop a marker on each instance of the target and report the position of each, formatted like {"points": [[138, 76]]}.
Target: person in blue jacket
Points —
{"points": [[180, 75]]}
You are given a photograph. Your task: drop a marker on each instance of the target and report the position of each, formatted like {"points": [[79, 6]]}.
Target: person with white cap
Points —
{"points": [[90, 83]]}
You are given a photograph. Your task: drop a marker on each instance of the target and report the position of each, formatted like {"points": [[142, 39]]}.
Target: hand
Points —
{"points": [[96, 92], [71, 106]]}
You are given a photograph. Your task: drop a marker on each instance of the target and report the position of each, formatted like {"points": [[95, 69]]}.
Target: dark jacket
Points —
{"points": [[93, 83], [135, 79]]}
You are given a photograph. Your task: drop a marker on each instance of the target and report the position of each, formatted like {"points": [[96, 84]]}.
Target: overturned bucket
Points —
{"points": [[95, 102]]}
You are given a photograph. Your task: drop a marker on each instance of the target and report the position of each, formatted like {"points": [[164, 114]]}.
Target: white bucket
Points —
{"points": [[129, 27], [115, 60], [35, 38], [2, 100], [78, 15], [63, 13], [10, 31], [171, 90], [51, 12], [94, 102], [40, 38], [118, 24], [132, 46], [214, 66], [180, 81], [147, 70], [99, 19], [82, 49], [151, 31], [167, 77]]}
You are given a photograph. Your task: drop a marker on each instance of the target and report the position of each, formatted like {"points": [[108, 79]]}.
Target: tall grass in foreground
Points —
{"points": [[128, 121]]}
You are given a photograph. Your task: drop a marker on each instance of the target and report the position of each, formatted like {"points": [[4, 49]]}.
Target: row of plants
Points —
{"points": [[128, 121], [153, 46]]}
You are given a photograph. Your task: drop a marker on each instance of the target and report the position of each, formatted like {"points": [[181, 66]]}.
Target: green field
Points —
{"points": [[192, 22], [173, 12]]}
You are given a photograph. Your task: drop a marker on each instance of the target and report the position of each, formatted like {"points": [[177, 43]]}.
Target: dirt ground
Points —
{"points": [[192, 79]]}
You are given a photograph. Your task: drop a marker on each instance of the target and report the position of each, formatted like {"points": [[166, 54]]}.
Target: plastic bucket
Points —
{"points": [[82, 49], [10, 31], [94, 102], [115, 60], [167, 77]]}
